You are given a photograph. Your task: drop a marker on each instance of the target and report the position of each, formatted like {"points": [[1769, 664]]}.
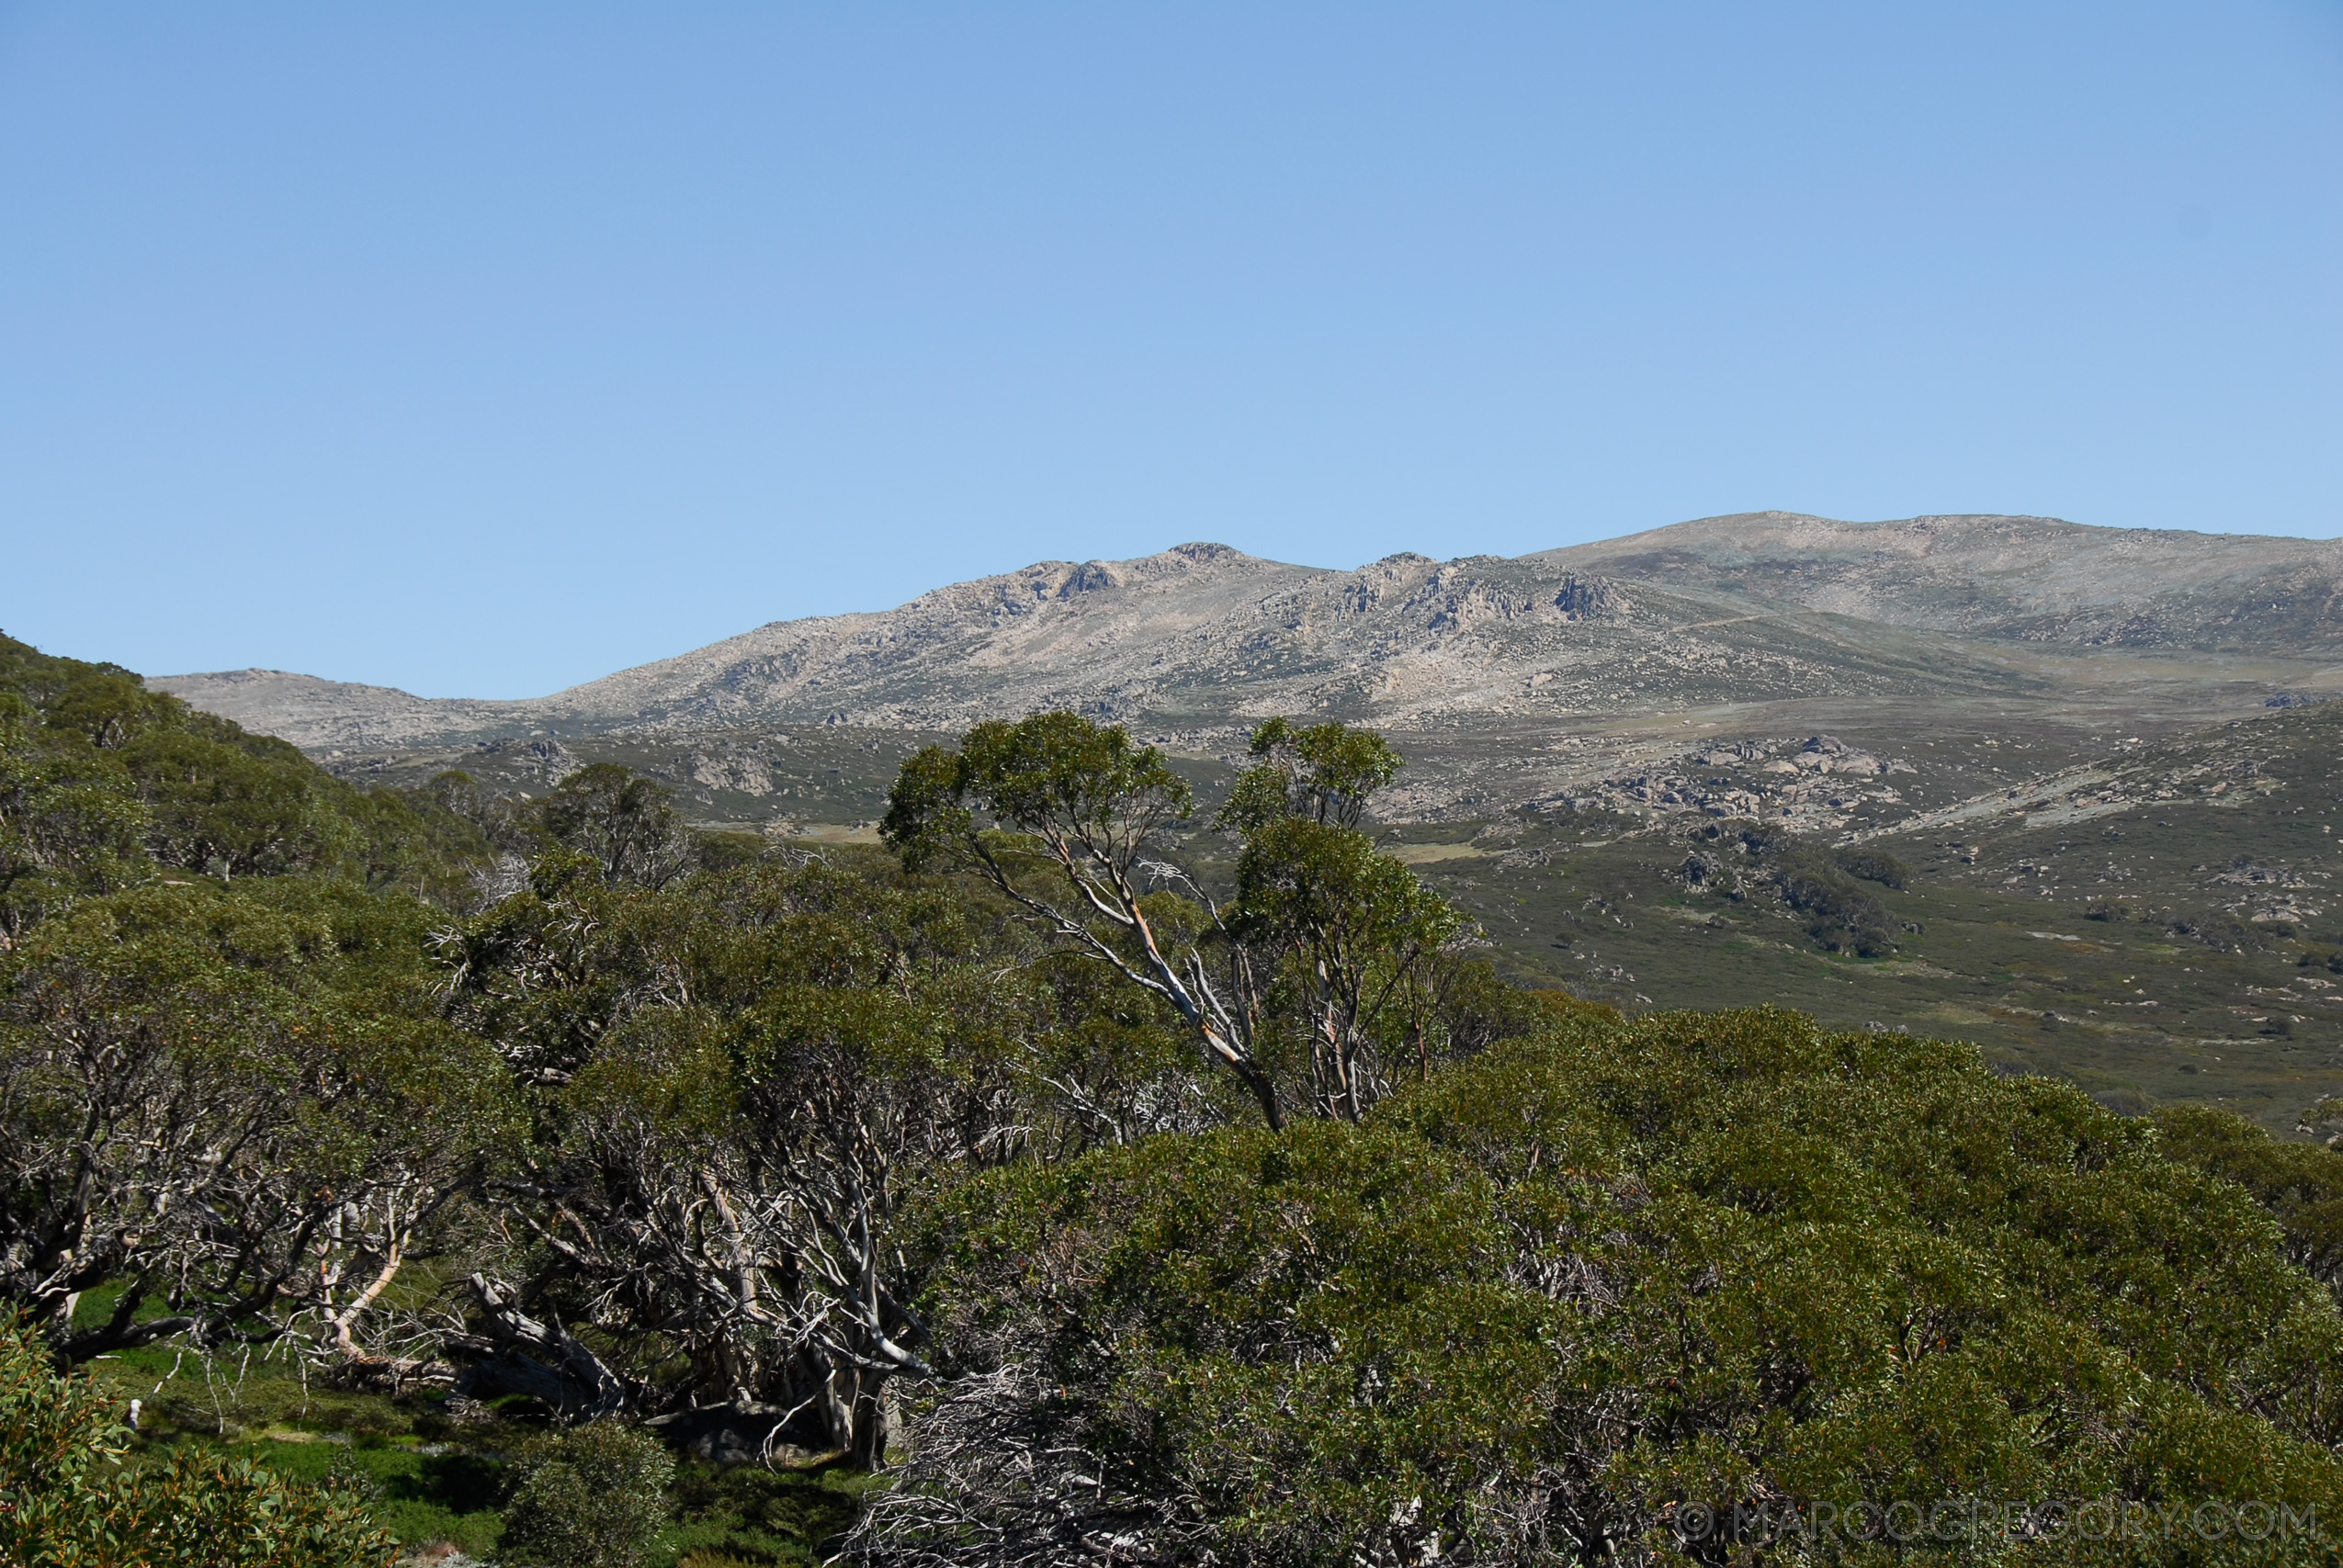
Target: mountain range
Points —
{"points": [[1754, 607]]}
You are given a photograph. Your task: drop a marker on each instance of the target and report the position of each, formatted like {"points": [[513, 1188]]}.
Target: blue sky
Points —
{"points": [[480, 349]]}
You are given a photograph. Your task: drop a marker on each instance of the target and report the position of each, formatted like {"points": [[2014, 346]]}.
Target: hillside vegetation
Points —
{"points": [[1076, 1175], [2099, 754]]}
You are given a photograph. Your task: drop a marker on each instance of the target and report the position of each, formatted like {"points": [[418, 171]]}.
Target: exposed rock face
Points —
{"points": [[1761, 608], [547, 760]]}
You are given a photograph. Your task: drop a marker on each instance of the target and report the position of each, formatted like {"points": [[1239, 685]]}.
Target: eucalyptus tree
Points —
{"points": [[1326, 936], [735, 1083], [1715, 1288], [235, 1106], [230, 804], [627, 823], [1350, 935], [1325, 773], [1058, 814], [70, 821]]}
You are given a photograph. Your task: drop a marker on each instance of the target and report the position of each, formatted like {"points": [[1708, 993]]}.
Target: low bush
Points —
{"points": [[590, 1498], [68, 1501]]}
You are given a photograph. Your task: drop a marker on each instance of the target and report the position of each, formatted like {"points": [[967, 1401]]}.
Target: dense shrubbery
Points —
{"points": [[102, 782], [1249, 1222], [1538, 1308]]}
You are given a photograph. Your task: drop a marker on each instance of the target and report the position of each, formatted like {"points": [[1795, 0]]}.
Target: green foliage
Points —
{"points": [[102, 782], [752, 1141], [1351, 943], [727, 850], [625, 823], [797, 1043], [1328, 961], [1073, 807], [59, 1437], [1325, 774], [410, 843], [1840, 916], [1818, 884], [1533, 1308], [70, 821], [1872, 865], [758, 1515], [590, 1498], [104, 707], [547, 972], [1055, 775], [67, 1501], [1354, 941], [2300, 1184], [498, 824], [41, 679], [232, 805], [229, 1099]]}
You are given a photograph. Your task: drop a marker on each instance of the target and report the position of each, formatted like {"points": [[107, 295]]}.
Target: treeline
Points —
{"points": [[1120, 1212]]}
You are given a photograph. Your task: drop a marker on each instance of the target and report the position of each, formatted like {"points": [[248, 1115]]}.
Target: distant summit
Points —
{"points": [[1756, 607]]}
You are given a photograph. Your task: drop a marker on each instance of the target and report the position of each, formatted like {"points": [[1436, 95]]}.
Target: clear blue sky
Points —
{"points": [[483, 348]]}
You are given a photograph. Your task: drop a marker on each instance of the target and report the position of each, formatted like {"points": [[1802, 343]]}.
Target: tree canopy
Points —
{"points": [[1602, 1285]]}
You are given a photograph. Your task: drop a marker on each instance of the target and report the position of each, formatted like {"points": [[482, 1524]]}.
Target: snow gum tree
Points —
{"points": [[1322, 945]]}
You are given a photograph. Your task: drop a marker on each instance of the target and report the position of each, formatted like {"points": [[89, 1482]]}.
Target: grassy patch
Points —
{"points": [[431, 1478], [1600, 905]]}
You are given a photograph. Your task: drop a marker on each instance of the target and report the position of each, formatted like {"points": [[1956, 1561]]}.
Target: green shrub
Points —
{"points": [[2300, 1184], [1839, 914], [67, 1501], [1817, 883], [590, 1498]]}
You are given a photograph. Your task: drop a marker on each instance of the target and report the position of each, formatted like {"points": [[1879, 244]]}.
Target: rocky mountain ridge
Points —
{"points": [[1748, 608]]}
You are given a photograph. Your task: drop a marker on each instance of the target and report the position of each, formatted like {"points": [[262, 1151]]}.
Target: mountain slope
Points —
{"points": [[1205, 635], [2083, 744], [318, 714], [2163, 923], [2035, 579], [1582, 672]]}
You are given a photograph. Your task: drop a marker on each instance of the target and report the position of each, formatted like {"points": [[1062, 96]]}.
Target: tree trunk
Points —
{"points": [[571, 1378], [867, 1447], [1265, 1094], [838, 1411]]}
